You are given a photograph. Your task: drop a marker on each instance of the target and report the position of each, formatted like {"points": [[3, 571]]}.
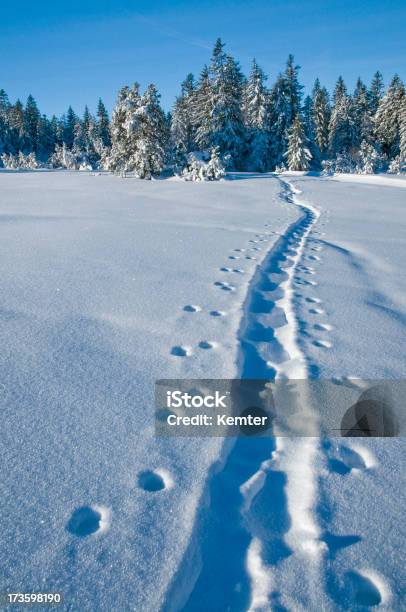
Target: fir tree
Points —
{"points": [[256, 111], [182, 123], [363, 120], [321, 118], [227, 128], [103, 123], [298, 154], [387, 118], [152, 132], [69, 128], [341, 126], [31, 121], [202, 112], [375, 92]]}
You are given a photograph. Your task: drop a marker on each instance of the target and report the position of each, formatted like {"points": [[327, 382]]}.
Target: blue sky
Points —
{"points": [[73, 52]]}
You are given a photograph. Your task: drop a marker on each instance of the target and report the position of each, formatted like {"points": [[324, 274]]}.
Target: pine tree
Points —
{"points": [[298, 154], [321, 117], [363, 120], [31, 121], [123, 130], [285, 102], [103, 124], [182, 123], [310, 131], [387, 118], [69, 128], [342, 125], [152, 132], [202, 112], [375, 92], [257, 120], [46, 139], [227, 128]]}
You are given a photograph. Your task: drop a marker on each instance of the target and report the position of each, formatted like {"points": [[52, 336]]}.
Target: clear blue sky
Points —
{"points": [[75, 51]]}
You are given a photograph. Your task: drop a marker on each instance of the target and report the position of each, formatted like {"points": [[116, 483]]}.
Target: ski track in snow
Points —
{"points": [[263, 498]]}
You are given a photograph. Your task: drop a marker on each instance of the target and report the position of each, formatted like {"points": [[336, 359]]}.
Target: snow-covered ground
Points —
{"points": [[108, 284]]}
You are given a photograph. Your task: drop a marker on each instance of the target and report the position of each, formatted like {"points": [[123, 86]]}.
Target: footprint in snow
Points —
{"points": [[88, 520], [191, 308], [180, 351], [224, 286], [225, 269], [316, 311], [204, 344], [322, 343], [217, 313], [313, 300], [153, 481], [349, 459], [234, 257], [365, 588], [323, 326]]}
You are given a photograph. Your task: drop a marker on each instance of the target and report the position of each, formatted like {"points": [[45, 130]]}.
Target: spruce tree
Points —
{"points": [[321, 117], [298, 155], [387, 118], [202, 112], [257, 120], [31, 120], [227, 128], [363, 119], [342, 125], [152, 132], [375, 93], [182, 123], [69, 128], [103, 123]]}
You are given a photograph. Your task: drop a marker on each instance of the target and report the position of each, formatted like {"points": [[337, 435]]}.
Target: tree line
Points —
{"points": [[222, 120]]}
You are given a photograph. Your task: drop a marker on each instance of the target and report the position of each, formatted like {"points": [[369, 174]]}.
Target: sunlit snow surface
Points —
{"points": [[107, 284]]}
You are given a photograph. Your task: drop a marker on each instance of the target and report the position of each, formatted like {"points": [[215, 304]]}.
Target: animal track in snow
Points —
{"points": [[316, 311], [225, 286], [323, 326], [225, 269], [366, 589], [322, 343], [234, 257], [204, 344], [191, 308], [313, 300], [352, 458], [217, 313], [88, 520], [154, 481], [313, 257], [180, 351]]}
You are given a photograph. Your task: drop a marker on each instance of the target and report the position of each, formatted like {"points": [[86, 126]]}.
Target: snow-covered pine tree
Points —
{"points": [[321, 117], [257, 120], [16, 127], [341, 126], [227, 127], [31, 120], [182, 125], [387, 118], [285, 102], [103, 124], [46, 139], [298, 155], [152, 134], [363, 120], [123, 130], [202, 110], [310, 132], [375, 93], [69, 128]]}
